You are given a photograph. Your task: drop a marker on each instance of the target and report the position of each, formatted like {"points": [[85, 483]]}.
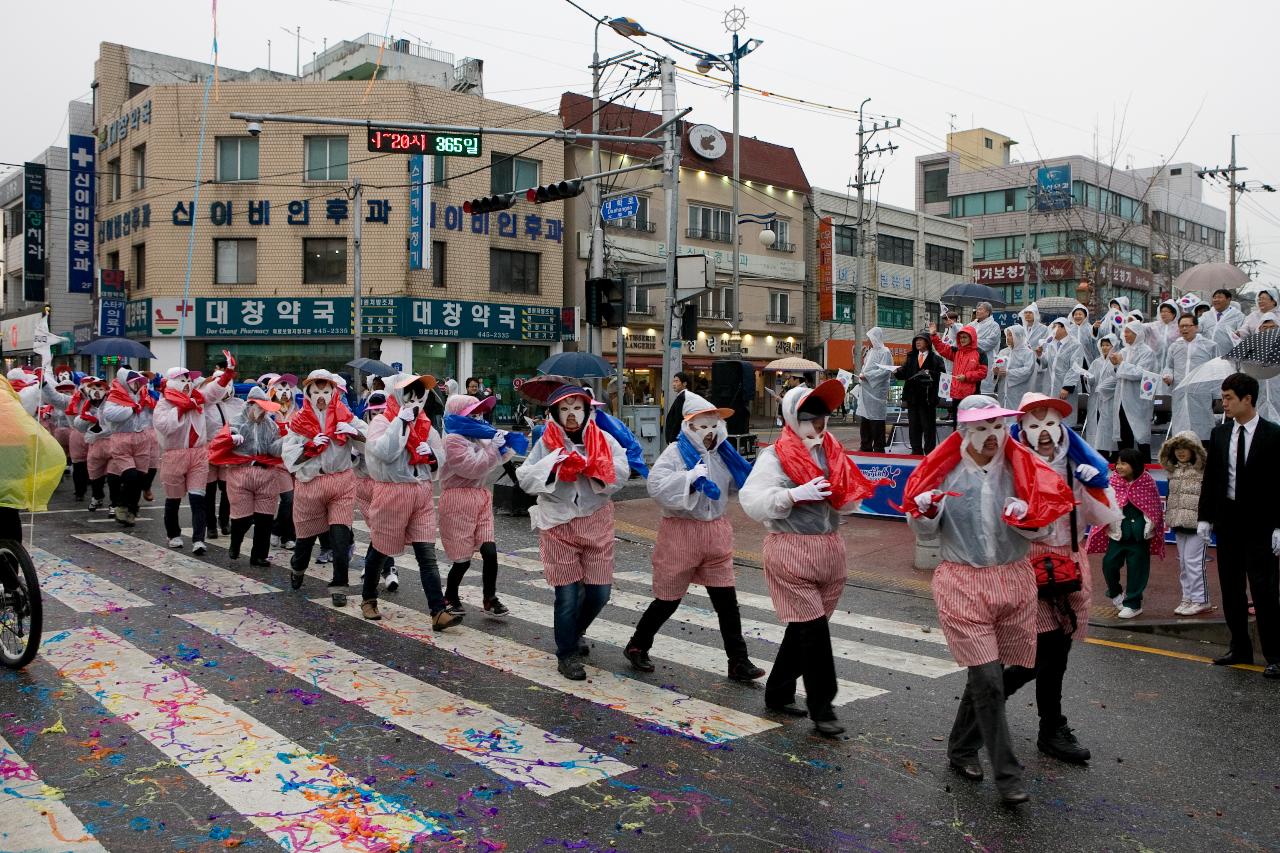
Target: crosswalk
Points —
{"points": [[275, 779]]}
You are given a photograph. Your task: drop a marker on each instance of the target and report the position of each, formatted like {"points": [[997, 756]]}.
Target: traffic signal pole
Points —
{"points": [[672, 356]]}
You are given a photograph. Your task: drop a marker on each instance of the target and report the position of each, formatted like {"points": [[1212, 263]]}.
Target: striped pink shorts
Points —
{"points": [[401, 514], [184, 471], [252, 489], [987, 613], [579, 550], [690, 551], [99, 457], [805, 573], [322, 502], [129, 450], [77, 449], [466, 522]]}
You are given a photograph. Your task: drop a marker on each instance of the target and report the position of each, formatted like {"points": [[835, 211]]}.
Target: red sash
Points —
{"points": [[305, 423], [847, 482], [185, 402], [223, 452], [121, 396], [598, 462]]}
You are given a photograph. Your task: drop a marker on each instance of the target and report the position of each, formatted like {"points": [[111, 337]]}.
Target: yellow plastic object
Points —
{"points": [[31, 460]]}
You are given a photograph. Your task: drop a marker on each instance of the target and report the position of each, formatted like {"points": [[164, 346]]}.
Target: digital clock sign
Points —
{"points": [[390, 140]]}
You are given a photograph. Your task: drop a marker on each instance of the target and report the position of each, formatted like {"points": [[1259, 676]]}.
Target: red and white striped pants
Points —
{"points": [[184, 471], [252, 489], [322, 502], [690, 551], [581, 549], [988, 613], [401, 514], [129, 450], [466, 521], [98, 457], [218, 472], [1048, 618], [805, 573], [364, 497], [77, 448]]}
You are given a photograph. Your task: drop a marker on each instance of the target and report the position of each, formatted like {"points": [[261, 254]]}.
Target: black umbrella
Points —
{"points": [[971, 293], [1259, 348], [122, 347], [372, 365], [580, 365]]}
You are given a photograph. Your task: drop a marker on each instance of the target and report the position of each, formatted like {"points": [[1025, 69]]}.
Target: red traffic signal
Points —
{"points": [[490, 203], [555, 192]]}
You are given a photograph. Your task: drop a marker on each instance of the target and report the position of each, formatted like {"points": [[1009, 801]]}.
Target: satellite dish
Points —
{"points": [[707, 142]]}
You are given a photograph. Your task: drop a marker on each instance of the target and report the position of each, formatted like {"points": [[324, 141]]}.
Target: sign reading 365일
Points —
{"points": [[394, 141]]}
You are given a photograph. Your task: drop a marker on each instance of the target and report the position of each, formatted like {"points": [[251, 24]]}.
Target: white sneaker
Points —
{"points": [[175, 542], [198, 548], [1118, 601], [1181, 609], [1194, 609], [324, 557], [392, 580], [275, 541], [94, 504], [1129, 612], [288, 545]]}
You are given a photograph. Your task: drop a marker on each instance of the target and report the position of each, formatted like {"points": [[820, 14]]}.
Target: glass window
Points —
{"points": [[140, 266], [995, 202], [498, 365], [326, 158], [943, 259], [892, 313], [236, 261], [935, 185], [710, 223], [844, 239], [436, 359], [509, 173], [782, 229], [513, 272], [324, 261], [113, 175], [844, 307], [439, 256], [957, 206], [639, 222], [237, 158], [640, 300], [726, 300], [779, 306], [973, 205], [140, 167], [440, 170], [895, 250]]}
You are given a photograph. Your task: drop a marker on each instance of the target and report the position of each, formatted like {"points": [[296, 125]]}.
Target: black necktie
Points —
{"points": [[1240, 436]]}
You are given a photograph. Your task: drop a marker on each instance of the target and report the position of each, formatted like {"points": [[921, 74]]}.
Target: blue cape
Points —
{"points": [[739, 468], [472, 428], [1080, 453], [622, 435]]}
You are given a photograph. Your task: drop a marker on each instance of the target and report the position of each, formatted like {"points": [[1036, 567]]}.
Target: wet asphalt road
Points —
{"points": [[1185, 754]]}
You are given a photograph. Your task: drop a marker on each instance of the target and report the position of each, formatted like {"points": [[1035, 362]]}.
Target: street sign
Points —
{"points": [[394, 141], [622, 207]]}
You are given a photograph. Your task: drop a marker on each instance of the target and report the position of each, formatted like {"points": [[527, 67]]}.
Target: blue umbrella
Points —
{"points": [[122, 347], [971, 293], [372, 365], [581, 365]]}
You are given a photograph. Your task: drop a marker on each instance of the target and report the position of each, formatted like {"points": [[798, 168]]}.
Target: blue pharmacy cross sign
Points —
{"points": [[622, 207]]}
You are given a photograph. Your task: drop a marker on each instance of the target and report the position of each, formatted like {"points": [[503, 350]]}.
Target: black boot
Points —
{"points": [[1061, 744], [260, 554], [239, 527], [301, 559], [340, 543]]}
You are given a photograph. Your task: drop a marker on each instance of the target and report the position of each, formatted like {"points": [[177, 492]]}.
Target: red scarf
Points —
{"points": [[1043, 490], [848, 484], [120, 395], [185, 402], [223, 452], [598, 462], [418, 433], [305, 423], [73, 405]]}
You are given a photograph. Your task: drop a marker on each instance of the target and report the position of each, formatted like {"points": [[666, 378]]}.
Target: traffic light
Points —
{"points": [[490, 203], [689, 322], [557, 191], [604, 302]]}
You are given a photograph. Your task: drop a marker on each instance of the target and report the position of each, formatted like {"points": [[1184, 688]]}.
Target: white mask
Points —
{"points": [[181, 384], [706, 431], [320, 394], [414, 397], [95, 393], [1043, 424], [977, 433], [812, 432], [284, 395], [571, 413]]}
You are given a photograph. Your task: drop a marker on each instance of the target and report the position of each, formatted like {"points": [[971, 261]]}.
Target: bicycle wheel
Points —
{"points": [[20, 608]]}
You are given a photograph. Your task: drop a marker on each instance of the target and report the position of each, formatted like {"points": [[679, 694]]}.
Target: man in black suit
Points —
{"points": [[1236, 502], [920, 373], [675, 414]]}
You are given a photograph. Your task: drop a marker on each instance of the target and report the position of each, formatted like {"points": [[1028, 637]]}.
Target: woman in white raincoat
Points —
{"points": [[1082, 332], [874, 380], [1132, 366], [1061, 357], [1112, 323], [1104, 407], [1164, 328], [1018, 369], [1192, 407]]}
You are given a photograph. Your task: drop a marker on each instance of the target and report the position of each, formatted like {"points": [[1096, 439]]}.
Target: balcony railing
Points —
{"points": [[632, 224], [642, 310], [781, 319], [708, 234], [780, 246]]}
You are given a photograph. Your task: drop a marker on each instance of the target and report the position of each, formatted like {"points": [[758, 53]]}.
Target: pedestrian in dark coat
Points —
{"points": [[919, 374]]}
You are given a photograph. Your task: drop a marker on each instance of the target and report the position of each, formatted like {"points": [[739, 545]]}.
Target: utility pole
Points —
{"points": [[357, 320], [735, 328], [597, 232], [1030, 254], [1236, 189], [672, 357], [861, 182]]}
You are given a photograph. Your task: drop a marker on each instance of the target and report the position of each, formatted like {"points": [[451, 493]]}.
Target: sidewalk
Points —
{"points": [[881, 554]]}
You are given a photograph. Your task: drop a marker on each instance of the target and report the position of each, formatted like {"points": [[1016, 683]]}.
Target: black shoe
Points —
{"points": [[1061, 743], [226, 529], [296, 578], [972, 772], [212, 532], [791, 709], [584, 651], [1272, 671], [492, 607], [828, 728], [260, 563], [233, 551], [454, 606], [1014, 796], [571, 668], [744, 670], [1231, 659], [639, 659]]}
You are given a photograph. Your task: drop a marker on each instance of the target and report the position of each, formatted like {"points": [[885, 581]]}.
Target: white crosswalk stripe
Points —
{"points": [[875, 624], [667, 708], [79, 589], [506, 745], [175, 564], [34, 816], [298, 798], [692, 655]]}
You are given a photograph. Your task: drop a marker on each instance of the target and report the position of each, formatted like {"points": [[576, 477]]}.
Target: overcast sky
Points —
{"points": [[1059, 79]]}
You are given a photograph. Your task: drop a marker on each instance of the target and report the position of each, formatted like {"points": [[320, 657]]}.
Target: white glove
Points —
{"points": [[927, 501], [1148, 529], [406, 414], [1015, 508], [345, 428], [1275, 542], [424, 449], [699, 470], [1086, 472], [237, 439], [1204, 530], [321, 440], [1115, 532], [500, 440], [817, 489]]}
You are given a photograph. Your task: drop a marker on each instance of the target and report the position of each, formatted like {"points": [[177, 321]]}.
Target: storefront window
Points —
{"points": [[439, 360], [254, 358], [498, 364]]}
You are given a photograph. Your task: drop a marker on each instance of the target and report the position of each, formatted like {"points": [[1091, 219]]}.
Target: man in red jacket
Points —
{"points": [[969, 366]]}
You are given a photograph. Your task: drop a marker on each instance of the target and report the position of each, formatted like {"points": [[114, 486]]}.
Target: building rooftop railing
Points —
{"points": [[391, 45]]}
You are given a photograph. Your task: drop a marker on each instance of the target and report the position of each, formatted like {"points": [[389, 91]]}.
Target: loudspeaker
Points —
{"points": [[729, 383]]}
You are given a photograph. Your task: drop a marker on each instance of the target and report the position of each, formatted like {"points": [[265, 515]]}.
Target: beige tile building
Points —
{"points": [[260, 257]]}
